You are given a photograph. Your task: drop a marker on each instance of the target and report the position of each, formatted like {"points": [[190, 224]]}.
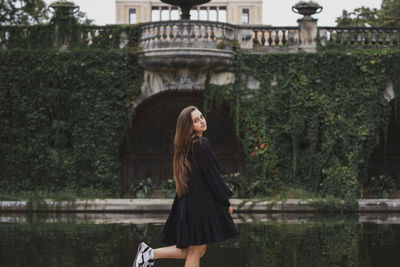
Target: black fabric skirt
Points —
{"points": [[183, 229]]}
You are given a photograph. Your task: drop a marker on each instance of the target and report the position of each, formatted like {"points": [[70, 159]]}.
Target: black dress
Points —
{"points": [[200, 216]]}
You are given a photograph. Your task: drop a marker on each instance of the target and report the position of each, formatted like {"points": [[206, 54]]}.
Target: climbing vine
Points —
{"points": [[315, 119], [63, 118], [306, 121]]}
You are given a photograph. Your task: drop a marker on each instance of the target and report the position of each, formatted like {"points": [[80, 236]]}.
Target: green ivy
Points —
{"points": [[78, 35], [315, 120], [63, 118], [312, 124]]}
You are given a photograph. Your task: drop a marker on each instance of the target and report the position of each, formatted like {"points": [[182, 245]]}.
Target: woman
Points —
{"points": [[201, 212]]}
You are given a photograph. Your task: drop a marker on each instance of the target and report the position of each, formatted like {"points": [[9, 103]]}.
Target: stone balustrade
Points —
{"points": [[83, 36], [187, 33], [267, 39], [181, 44], [196, 34], [367, 37]]}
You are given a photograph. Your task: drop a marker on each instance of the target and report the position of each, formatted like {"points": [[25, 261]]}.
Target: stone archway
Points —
{"points": [[148, 152]]}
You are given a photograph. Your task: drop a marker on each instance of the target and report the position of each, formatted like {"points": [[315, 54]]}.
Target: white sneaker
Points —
{"points": [[144, 256]]}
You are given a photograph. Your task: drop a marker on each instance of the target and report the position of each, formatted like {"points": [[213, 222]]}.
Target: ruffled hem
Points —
{"points": [[184, 234]]}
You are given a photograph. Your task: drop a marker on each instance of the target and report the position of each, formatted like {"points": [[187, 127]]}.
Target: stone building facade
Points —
{"points": [[228, 11]]}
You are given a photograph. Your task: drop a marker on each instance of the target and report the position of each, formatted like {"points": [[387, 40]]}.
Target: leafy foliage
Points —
{"points": [[63, 118], [30, 12], [315, 119], [23, 12], [312, 125], [387, 16]]}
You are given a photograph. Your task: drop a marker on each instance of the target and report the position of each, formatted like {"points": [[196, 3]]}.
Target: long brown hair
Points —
{"points": [[183, 143]]}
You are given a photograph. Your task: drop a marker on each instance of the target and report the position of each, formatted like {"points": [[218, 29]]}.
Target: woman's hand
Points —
{"points": [[230, 210]]}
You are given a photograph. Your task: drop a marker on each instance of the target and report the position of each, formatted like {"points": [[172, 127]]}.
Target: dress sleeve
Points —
{"points": [[209, 166]]}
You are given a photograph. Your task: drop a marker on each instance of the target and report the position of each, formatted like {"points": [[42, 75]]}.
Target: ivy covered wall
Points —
{"points": [[315, 120], [312, 124], [63, 117]]}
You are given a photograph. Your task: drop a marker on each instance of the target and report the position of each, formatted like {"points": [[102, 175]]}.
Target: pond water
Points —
{"points": [[265, 240]]}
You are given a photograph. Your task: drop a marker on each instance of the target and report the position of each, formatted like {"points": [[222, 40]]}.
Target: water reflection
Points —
{"points": [[265, 240]]}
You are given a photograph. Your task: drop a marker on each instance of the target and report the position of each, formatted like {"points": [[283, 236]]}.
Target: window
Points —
{"points": [[212, 14], [175, 14], [245, 16], [155, 14], [132, 16], [194, 14], [203, 13], [164, 14], [222, 14]]}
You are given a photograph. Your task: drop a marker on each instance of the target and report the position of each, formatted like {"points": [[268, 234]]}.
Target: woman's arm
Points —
{"points": [[208, 164]]}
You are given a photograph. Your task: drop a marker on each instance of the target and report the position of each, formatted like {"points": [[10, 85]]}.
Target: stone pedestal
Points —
{"points": [[308, 34]]}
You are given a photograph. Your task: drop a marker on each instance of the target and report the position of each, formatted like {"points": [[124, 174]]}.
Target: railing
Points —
{"points": [[367, 37], [37, 36], [110, 36], [266, 36], [84, 36], [187, 34], [192, 34]]}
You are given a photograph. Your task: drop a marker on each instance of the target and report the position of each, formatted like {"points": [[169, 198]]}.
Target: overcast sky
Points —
{"points": [[275, 12]]}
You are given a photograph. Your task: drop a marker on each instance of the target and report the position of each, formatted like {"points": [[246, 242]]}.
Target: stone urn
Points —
{"points": [[63, 9], [307, 9], [185, 5]]}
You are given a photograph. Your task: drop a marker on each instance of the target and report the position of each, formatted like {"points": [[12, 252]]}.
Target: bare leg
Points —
{"points": [[194, 253], [171, 252]]}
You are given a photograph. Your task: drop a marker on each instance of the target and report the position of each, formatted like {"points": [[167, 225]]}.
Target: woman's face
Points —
{"points": [[199, 122]]}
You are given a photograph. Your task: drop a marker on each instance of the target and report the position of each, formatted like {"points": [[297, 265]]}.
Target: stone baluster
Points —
{"points": [[352, 38], [276, 37], [171, 32], [179, 31], [256, 41], [212, 36], [206, 32], [150, 36], [366, 37], [359, 38], [373, 38], [153, 37], [344, 36], [270, 40], [387, 38], [219, 33], [338, 36], [379, 38], [164, 33], [160, 11], [284, 40], [185, 32], [394, 38], [200, 33], [143, 38], [192, 32], [330, 36], [158, 30], [217, 8]]}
